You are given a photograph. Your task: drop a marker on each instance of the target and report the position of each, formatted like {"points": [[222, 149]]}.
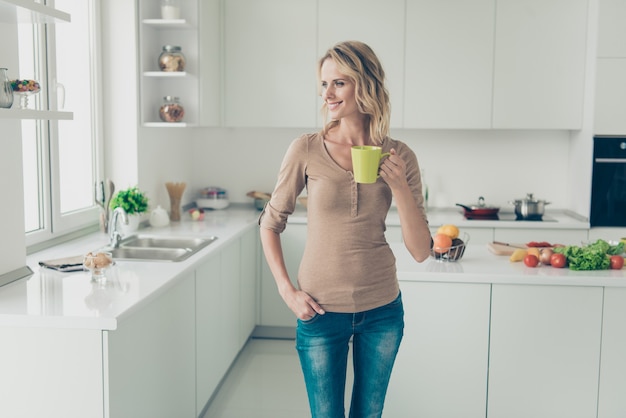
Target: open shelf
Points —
{"points": [[35, 114], [167, 125], [27, 11]]}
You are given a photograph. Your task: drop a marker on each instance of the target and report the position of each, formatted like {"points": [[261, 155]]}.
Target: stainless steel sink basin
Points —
{"points": [[156, 248], [165, 242], [150, 254]]}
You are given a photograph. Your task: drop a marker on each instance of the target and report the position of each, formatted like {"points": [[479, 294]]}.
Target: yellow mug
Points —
{"points": [[365, 163]]}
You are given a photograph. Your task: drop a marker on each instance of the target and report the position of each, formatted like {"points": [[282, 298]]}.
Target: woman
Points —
{"points": [[347, 285]]}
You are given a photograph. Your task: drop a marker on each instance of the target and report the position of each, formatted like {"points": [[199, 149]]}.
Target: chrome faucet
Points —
{"points": [[114, 235]]}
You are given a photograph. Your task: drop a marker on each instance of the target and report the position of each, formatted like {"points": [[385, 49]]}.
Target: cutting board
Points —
{"points": [[501, 249]]}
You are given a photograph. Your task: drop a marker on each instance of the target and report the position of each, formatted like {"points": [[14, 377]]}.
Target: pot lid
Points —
{"points": [[529, 199], [481, 205]]}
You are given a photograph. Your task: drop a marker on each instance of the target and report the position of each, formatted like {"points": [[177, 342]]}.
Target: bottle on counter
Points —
{"points": [[171, 110], [172, 58]]}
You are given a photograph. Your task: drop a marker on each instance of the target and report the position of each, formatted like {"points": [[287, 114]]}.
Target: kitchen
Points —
{"points": [[506, 163]]}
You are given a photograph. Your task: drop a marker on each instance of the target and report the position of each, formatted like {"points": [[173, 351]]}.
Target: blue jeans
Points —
{"points": [[322, 344]]}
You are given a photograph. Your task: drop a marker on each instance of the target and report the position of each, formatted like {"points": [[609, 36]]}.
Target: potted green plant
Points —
{"points": [[134, 202]]}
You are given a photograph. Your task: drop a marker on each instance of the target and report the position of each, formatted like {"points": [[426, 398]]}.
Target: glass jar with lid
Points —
{"points": [[171, 110], [172, 58]]}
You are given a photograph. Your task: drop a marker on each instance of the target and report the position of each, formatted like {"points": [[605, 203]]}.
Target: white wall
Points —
{"points": [[459, 165]]}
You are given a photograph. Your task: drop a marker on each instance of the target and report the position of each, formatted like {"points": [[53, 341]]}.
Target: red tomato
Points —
{"points": [[617, 262], [531, 260], [558, 260]]}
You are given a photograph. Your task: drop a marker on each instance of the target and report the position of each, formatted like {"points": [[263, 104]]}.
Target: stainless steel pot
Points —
{"points": [[529, 207]]}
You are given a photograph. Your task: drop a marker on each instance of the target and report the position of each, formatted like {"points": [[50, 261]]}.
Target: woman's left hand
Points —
{"points": [[393, 170]]}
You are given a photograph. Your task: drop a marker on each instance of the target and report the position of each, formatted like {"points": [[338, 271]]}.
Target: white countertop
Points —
{"points": [[70, 300], [479, 265], [559, 219]]}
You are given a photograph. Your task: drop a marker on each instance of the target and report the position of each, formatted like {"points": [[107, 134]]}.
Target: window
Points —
{"points": [[62, 159]]}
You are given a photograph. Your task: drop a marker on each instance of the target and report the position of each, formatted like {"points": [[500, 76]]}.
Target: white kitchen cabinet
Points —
{"points": [[554, 236], [51, 366], [611, 401], [449, 64], [225, 311], [544, 357], [152, 358], [441, 368], [210, 367], [610, 96], [540, 64], [274, 311], [154, 33], [378, 24], [217, 318], [249, 263], [269, 60], [611, 29], [229, 312]]}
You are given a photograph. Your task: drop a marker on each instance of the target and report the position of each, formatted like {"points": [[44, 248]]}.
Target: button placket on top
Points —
{"points": [[354, 196]]}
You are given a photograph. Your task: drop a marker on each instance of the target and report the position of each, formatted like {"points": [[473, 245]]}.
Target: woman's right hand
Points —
{"points": [[302, 304]]}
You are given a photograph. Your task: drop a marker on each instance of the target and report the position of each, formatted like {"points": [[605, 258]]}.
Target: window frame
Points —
{"points": [[55, 224]]}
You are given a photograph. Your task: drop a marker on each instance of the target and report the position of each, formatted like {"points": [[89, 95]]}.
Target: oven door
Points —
{"points": [[608, 189]]}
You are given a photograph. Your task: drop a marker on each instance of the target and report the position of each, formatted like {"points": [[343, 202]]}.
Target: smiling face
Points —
{"points": [[338, 92]]}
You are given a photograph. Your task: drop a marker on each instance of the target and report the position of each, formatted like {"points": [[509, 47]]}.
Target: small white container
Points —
{"points": [[170, 9], [159, 217]]}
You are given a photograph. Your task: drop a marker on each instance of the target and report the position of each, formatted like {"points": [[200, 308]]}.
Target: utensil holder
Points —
{"points": [[175, 191]]}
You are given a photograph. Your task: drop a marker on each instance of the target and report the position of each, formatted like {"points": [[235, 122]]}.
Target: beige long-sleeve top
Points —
{"points": [[347, 264]]}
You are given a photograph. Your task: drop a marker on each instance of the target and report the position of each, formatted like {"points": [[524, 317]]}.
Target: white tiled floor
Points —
{"points": [[265, 382]]}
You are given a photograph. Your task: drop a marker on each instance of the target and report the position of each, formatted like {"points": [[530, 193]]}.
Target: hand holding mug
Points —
{"points": [[366, 162]]}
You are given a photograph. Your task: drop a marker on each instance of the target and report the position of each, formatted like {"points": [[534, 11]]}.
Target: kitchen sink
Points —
{"points": [[157, 248], [144, 241]]}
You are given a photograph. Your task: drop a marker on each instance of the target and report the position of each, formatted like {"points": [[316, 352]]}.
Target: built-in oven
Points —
{"points": [[608, 184]]}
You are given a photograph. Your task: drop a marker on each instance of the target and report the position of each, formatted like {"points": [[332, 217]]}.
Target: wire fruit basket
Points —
{"points": [[452, 253]]}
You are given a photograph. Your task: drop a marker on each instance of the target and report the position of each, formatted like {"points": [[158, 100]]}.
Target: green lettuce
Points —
{"points": [[594, 256]]}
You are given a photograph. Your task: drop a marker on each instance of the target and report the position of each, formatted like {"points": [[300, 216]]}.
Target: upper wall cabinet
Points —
{"points": [[611, 29], [540, 57], [458, 64], [269, 55], [378, 24], [610, 105], [449, 64]]}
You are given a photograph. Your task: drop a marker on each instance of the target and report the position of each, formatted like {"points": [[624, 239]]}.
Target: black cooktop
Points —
{"points": [[513, 217]]}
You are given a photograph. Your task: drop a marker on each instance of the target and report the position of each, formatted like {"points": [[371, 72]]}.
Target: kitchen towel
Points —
{"points": [[66, 264]]}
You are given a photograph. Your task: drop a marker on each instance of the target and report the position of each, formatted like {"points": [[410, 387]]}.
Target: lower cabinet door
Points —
{"points": [[612, 402], [544, 351], [441, 368], [152, 357]]}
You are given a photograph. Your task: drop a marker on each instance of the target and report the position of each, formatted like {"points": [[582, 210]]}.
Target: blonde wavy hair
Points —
{"points": [[359, 63]]}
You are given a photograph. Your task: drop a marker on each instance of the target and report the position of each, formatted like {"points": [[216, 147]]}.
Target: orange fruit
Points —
{"points": [[450, 230], [534, 251], [441, 243]]}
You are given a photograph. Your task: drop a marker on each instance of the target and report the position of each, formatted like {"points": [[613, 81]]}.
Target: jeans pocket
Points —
{"points": [[309, 321]]}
